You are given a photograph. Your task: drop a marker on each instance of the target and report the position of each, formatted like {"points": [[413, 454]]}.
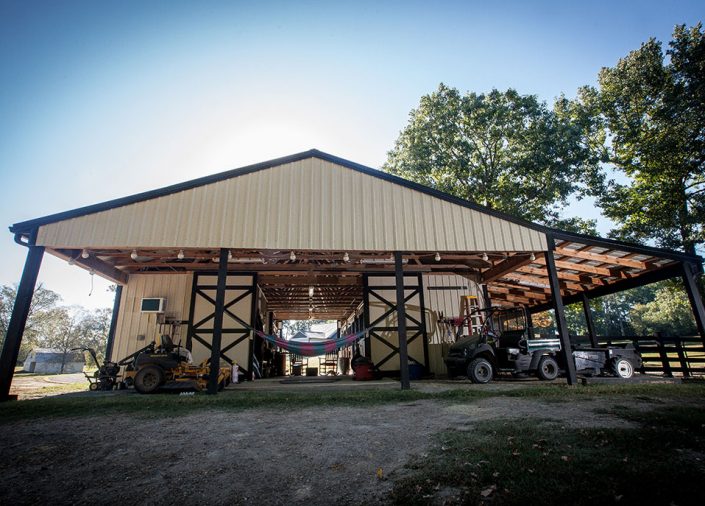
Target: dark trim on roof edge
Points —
{"points": [[29, 225]]}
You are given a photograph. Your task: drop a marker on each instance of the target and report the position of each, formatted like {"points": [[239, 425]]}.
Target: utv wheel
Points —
{"points": [[547, 369], [623, 368], [148, 379], [480, 371]]}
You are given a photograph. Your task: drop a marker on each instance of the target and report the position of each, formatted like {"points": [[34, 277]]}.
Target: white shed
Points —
{"points": [[52, 361]]}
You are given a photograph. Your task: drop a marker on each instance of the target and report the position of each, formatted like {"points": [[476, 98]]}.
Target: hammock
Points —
{"points": [[313, 349]]}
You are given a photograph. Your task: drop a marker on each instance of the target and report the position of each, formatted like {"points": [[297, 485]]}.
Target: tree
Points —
{"points": [[503, 150], [652, 108], [668, 313], [40, 315]]}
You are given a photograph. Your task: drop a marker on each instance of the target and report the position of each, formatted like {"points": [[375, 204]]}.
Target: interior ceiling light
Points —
{"points": [[85, 254], [485, 257], [310, 291], [532, 257], [292, 256], [133, 255], [346, 257], [230, 255], [437, 258], [181, 255]]}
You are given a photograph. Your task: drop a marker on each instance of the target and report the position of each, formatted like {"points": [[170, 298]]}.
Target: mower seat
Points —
{"points": [[167, 343]]}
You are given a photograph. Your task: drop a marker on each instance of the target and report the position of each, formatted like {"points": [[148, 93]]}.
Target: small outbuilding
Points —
{"points": [[53, 361]]}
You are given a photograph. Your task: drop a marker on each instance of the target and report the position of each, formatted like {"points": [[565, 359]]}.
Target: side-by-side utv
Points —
{"points": [[504, 344]]}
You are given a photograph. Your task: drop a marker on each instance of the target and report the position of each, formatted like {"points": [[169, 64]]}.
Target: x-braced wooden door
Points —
{"points": [[380, 310], [238, 318]]}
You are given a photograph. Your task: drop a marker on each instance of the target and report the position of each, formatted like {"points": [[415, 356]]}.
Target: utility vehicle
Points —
{"points": [[504, 344]]}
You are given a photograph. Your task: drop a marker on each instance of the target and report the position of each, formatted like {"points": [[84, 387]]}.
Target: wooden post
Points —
{"points": [[401, 317], [696, 301], [218, 322], [18, 320], [566, 348], [589, 321], [113, 324]]}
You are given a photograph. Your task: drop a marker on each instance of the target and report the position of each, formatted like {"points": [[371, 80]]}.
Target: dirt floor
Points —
{"points": [[342, 455]]}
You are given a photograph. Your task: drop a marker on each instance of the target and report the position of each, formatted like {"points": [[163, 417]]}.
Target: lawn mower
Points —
{"points": [[105, 377], [170, 366]]}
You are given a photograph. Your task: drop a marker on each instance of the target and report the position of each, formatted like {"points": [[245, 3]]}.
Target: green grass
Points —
{"points": [[98, 404], [535, 462]]}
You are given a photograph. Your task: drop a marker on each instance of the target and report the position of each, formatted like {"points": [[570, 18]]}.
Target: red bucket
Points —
{"points": [[363, 372]]}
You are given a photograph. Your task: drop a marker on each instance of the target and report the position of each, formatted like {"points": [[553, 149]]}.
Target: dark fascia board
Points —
{"points": [[26, 227]]}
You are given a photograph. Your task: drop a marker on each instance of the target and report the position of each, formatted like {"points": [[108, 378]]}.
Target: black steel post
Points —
{"points": [[18, 320], [566, 348], [218, 322], [486, 296], [696, 301], [401, 322], [589, 321], [113, 324]]}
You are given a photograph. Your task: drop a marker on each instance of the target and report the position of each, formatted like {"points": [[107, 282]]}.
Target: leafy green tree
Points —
{"points": [[652, 107], [668, 313], [503, 150], [40, 315]]}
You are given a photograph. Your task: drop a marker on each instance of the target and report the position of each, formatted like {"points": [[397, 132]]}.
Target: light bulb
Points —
{"points": [[133, 255], [310, 291], [532, 257], [437, 258], [180, 256], [230, 255], [85, 254], [346, 257], [485, 257], [292, 256]]}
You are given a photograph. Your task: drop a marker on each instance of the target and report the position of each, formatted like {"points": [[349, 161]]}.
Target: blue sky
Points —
{"points": [[99, 100]]}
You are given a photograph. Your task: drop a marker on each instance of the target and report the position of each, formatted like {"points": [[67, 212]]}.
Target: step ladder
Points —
{"points": [[470, 314]]}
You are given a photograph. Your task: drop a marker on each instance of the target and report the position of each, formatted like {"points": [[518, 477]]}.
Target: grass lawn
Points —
{"points": [[661, 461], [172, 404]]}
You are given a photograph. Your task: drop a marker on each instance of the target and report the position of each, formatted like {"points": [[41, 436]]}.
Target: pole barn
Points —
{"points": [[312, 235]]}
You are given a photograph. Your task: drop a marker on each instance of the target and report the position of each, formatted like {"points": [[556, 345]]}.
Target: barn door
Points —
{"points": [[238, 318], [380, 298]]}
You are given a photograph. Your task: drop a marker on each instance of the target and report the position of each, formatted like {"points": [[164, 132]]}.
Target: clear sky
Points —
{"points": [[100, 100]]}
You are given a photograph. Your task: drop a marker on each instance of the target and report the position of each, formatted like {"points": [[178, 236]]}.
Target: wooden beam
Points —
{"points": [[591, 269], [602, 257], [543, 282], [519, 292], [509, 265], [583, 279], [93, 263]]}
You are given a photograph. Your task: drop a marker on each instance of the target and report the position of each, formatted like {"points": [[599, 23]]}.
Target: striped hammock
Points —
{"points": [[313, 349]]}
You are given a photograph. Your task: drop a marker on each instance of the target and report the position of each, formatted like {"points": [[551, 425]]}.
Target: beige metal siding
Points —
{"points": [[204, 311], [309, 204], [176, 288], [443, 298], [379, 350]]}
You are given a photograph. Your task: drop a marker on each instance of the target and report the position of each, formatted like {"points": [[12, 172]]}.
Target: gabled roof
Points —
{"points": [[26, 227]]}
